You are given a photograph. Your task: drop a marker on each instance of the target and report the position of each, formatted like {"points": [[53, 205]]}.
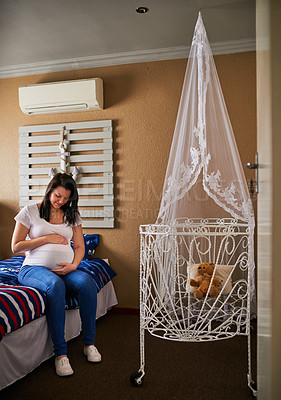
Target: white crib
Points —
{"points": [[169, 255]]}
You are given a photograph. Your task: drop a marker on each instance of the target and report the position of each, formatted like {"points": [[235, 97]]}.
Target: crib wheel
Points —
{"points": [[136, 379], [253, 389]]}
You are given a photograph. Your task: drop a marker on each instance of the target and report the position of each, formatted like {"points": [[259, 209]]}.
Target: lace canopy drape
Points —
{"points": [[204, 152], [204, 177]]}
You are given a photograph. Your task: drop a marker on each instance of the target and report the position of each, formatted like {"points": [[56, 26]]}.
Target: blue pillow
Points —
{"points": [[91, 242]]}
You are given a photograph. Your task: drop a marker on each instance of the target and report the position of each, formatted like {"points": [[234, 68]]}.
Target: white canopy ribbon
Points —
{"points": [[63, 153], [52, 172], [75, 173]]}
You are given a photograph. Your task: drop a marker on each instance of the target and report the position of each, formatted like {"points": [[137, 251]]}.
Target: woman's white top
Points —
{"points": [[50, 254]]}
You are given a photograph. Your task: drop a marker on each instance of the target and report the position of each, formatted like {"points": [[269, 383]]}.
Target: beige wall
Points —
{"points": [[142, 100]]}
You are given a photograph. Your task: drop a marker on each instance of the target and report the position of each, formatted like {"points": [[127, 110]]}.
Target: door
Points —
{"points": [[269, 198]]}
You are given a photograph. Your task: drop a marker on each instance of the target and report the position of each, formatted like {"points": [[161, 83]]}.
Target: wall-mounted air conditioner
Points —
{"points": [[60, 97]]}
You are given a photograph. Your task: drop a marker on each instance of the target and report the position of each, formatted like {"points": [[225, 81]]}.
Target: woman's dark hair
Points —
{"points": [[69, 208]]}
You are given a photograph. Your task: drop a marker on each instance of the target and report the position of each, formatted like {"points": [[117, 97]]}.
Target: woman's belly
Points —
{"points": [[50, 255]]}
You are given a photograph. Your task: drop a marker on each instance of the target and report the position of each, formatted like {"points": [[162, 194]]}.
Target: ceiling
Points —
{"points": [[50, 35]]}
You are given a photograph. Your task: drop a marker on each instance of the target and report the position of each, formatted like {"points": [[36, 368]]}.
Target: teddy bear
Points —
{"points": [[202, 281]]}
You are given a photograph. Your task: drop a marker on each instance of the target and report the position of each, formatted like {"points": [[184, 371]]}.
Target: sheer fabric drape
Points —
{"points": [[204, 177], [203, 145]]}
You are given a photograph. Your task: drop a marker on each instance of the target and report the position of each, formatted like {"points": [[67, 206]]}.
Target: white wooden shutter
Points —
{"points": [[90, 150]]}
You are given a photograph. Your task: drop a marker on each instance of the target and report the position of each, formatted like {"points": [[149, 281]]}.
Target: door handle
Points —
{"points": [[255, 166], [252, 166]]}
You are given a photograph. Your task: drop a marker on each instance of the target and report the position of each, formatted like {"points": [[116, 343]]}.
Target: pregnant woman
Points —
{"points": [[43, 231]]}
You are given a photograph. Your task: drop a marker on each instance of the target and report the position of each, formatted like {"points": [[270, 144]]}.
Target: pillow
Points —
{"points": [[91, 242], [222, 273]]}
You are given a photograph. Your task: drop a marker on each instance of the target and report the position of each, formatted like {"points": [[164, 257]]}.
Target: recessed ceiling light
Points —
{"points": [[142, 10]]}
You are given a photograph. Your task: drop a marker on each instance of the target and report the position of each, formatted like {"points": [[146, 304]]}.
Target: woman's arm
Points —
{"points": [[20, 244], [79, 251], [78, 244]]}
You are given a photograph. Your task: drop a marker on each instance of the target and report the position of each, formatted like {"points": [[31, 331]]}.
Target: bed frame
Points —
{"points": [[26, 348]]}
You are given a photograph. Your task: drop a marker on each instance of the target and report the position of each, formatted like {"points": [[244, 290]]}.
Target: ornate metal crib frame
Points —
{"points": [[169, 255]]}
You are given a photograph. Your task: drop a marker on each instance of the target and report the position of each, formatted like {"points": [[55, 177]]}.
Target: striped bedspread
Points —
{"points": [[20, 304]]}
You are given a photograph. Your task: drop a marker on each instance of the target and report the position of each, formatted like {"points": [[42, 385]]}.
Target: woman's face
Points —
{"points": [[59, 197]]}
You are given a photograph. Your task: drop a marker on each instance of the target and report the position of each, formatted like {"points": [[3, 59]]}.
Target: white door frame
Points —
{"points": [[269, 198]]}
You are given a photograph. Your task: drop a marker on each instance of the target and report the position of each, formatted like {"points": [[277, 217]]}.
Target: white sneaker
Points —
{"points": [[63, 368], [92, 354]]}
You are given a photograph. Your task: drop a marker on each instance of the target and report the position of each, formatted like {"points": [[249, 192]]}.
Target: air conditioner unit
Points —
{"points": [[61, 97]]}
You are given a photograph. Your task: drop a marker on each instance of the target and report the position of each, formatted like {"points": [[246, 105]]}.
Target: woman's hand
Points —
{"points": [[79, 250], [20, 244], [56, 239], [66, 268]]}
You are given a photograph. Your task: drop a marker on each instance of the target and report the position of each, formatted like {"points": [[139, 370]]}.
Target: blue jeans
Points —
{"points": [[76, 282]]}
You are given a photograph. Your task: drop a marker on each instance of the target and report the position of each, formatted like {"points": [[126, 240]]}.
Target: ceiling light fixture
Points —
{"points": [[142, 10]]}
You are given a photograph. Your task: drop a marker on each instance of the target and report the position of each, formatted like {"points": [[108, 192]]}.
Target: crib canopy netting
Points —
{"points": [[204, 162]]}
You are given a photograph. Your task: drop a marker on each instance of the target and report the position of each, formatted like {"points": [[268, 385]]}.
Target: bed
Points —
{"points": [[24, 336]]}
